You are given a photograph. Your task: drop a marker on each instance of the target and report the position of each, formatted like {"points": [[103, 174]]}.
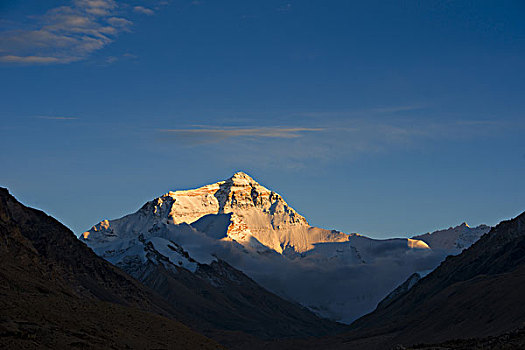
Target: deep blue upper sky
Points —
{"points": [[386, 118]]}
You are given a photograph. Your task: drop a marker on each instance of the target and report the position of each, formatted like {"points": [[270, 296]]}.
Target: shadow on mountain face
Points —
{"points": [[213, 225], [56, 293]]}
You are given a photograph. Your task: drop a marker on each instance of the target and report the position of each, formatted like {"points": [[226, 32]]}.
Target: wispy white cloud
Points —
{"points": [[330, 140], [96, 7], [215, 134], [64, 34], [143, 10], [35, 59], [48, 117]]}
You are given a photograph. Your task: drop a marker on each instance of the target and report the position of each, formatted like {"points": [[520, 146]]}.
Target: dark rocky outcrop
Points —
{"points": [[56, 293]]}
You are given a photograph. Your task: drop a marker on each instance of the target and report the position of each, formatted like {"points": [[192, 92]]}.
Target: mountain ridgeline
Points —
{"points": [[475, 294], [250, 228], [235, 263], [242, 224], [57, 294]]}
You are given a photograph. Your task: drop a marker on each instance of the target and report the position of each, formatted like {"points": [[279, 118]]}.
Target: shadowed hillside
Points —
{"points": [[56, 293], [478, 293]]}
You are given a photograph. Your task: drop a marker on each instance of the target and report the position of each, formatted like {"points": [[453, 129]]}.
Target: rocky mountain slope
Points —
{"points": [[253, 229], [237, 209], [56, 293], [216, 297], [475, 294], [399, 291]]}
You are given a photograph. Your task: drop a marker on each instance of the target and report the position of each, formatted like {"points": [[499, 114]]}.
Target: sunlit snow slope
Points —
{"points": [[459, 237], [338, 275]]}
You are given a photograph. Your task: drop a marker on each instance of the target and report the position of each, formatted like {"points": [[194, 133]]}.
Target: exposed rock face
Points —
{"points": [[255, 215], [238, 193], [256, 212], [56, 293]]}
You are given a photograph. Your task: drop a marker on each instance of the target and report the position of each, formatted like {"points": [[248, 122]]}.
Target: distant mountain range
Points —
{"points": [[475, 294], [156, 270], [454, 238], [241, 224]]}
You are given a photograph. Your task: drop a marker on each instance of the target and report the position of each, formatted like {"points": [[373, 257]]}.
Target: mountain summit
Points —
{"points": [[253, 228], [238, 209], [187, 244]]}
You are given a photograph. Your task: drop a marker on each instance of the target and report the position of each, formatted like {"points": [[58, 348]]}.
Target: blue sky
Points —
{"points": [[386, 118]]}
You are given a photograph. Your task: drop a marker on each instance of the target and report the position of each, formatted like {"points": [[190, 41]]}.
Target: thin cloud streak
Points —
{"points": [[355, 113], [219, 134], [36, 59], [296, 147], [56, 118], [143, 10]]}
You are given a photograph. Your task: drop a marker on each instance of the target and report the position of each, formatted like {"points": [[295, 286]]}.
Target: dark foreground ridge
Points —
{"points": [[218, 298], [56, 293]]}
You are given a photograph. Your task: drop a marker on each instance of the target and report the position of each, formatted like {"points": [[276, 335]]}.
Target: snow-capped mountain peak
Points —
{"points": [[256, 215], [257, 212], [237, 209], [458, 237], [255, 230], [241, 176], [239, 192]]}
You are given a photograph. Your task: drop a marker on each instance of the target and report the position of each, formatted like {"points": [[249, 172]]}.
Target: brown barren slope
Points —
{"points": [[56, 293]]}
